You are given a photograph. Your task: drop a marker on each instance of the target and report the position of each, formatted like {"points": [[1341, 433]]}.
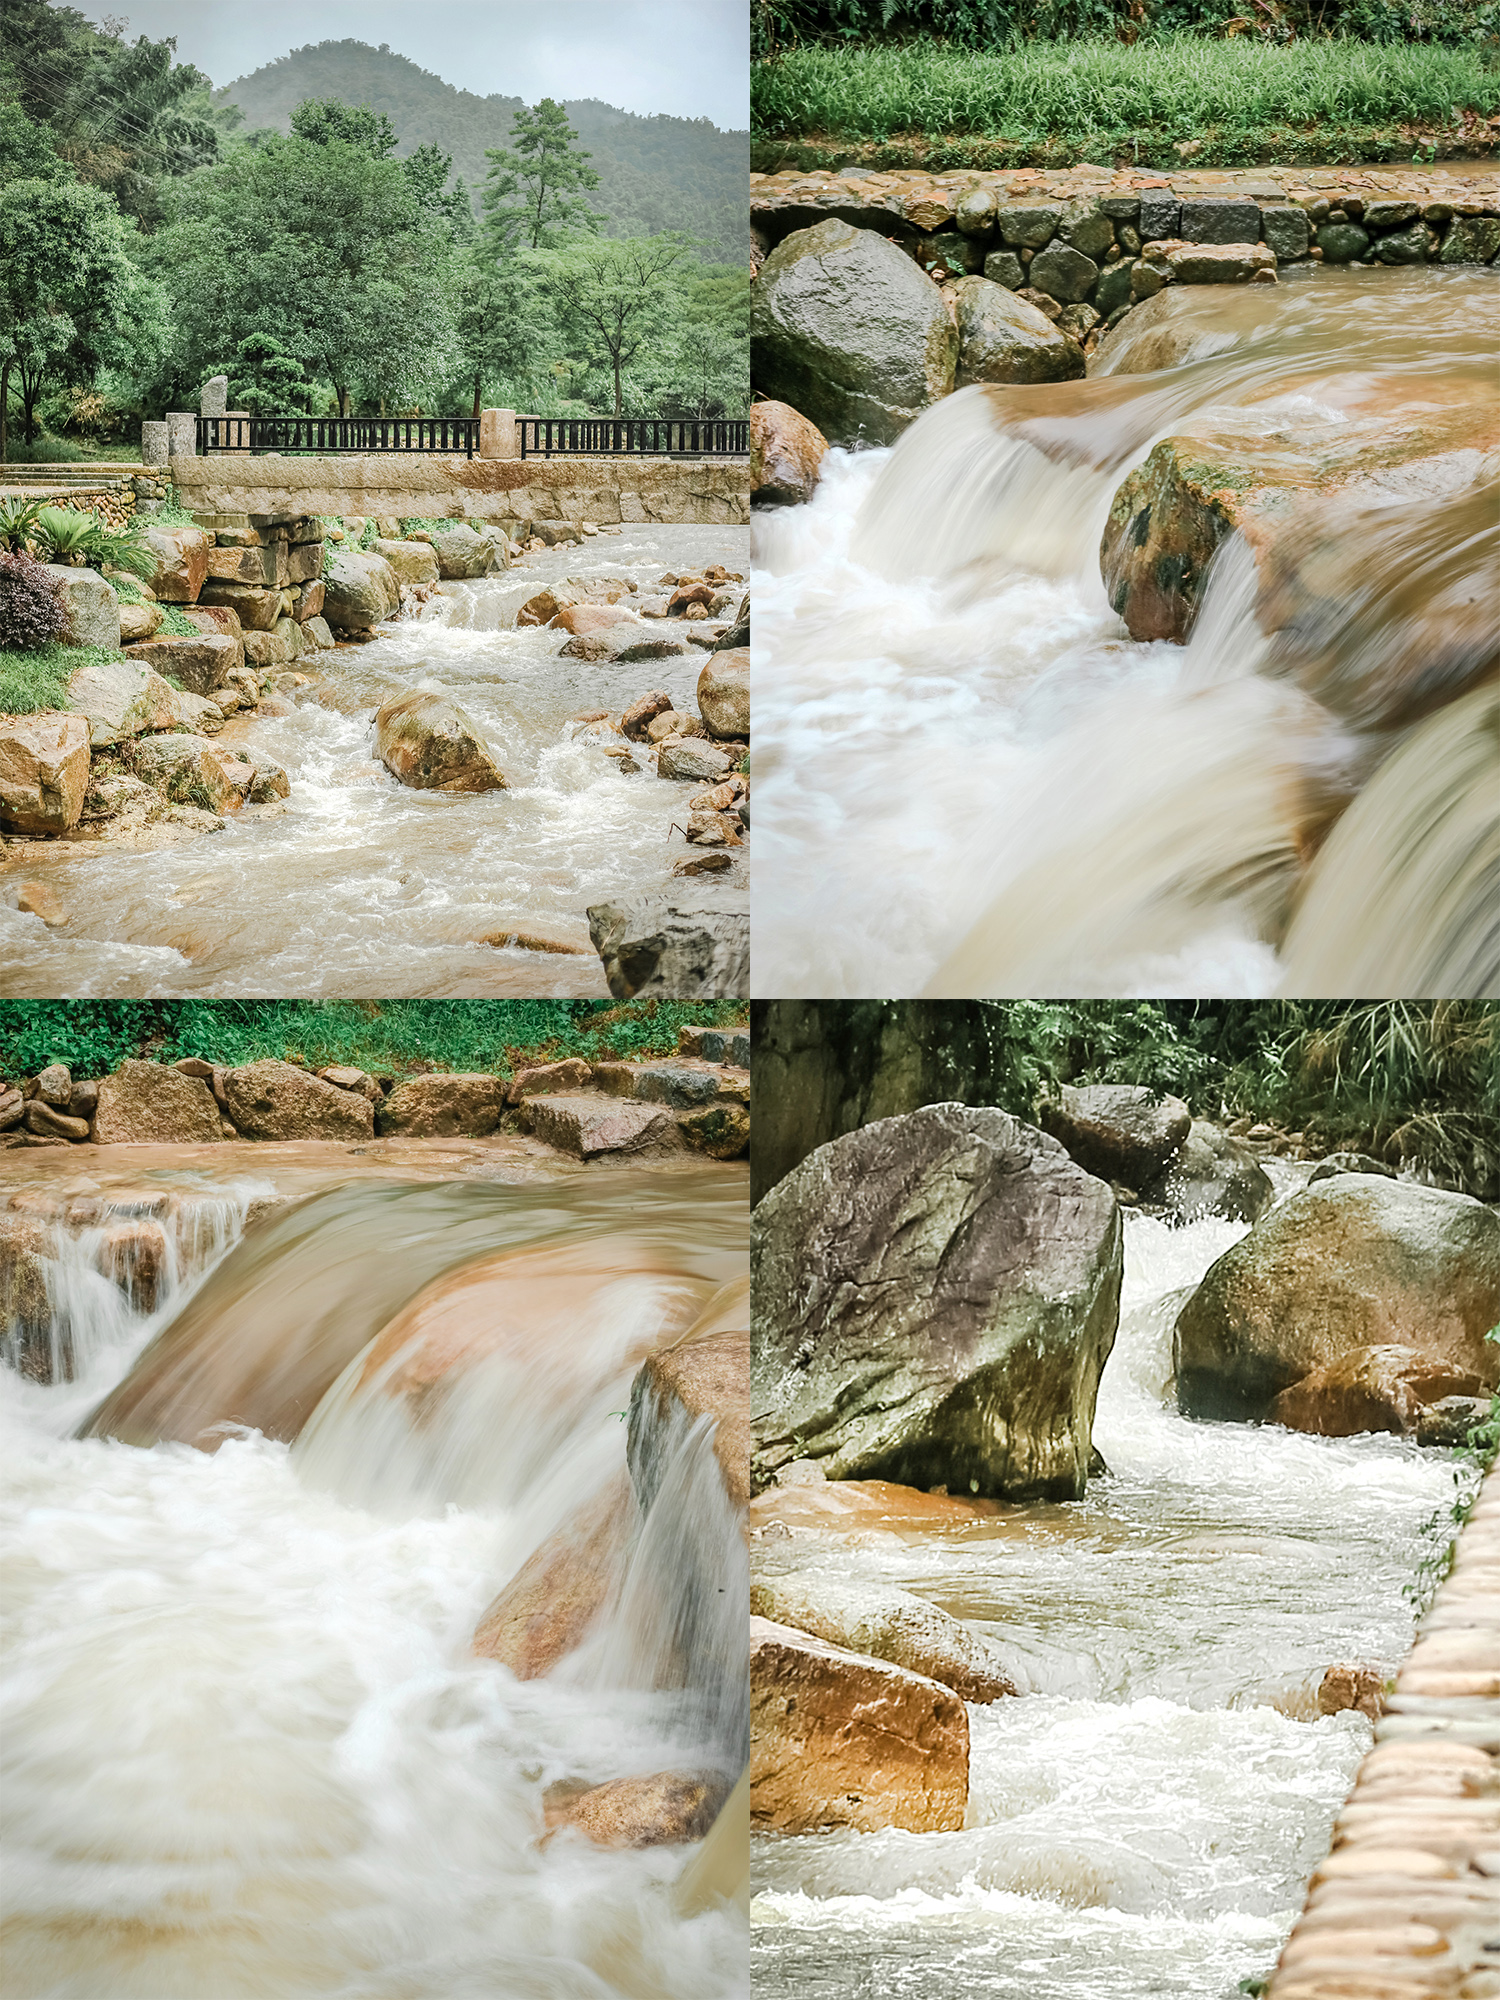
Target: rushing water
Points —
{"points": [[1142, 1820], [355, 885], [247, 1749], [973, 781]]}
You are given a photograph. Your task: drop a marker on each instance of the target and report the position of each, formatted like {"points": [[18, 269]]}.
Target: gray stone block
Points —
{"points": [[1004, 267], [1161, 212], [1064, 274], [1285, 230], [1030, 227], [1220, 219]]}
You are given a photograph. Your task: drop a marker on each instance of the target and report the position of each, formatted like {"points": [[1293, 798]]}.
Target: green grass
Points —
{"points": [[1051, 103], [387, 1037], [50, 450], [37, 679]]}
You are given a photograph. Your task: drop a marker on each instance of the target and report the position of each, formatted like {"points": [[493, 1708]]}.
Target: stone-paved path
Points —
{"points": [[1407, 1906]]}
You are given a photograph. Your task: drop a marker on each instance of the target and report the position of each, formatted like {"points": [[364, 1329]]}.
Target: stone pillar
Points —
{"points": [[237, 435], [153, 442], [214, 400], [497, 434], [182, 434]]}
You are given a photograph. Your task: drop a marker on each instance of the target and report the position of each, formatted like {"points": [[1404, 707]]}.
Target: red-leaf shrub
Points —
{"points": [[32, 611]]}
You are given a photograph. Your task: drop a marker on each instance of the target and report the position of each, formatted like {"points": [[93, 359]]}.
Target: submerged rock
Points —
{"points": [[661, 1810], [551, 1603], [425, 740], [936, 1296]]}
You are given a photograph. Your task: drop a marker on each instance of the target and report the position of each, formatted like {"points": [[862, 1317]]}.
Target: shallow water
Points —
{"points": [[355, 885], [971, 780], [1143, 1819], [247, 1750]]}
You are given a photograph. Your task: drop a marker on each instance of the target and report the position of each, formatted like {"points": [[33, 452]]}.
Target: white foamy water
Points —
{"points": [[356, 885], [246, 1750], [971, 780], [1141, 1821]]}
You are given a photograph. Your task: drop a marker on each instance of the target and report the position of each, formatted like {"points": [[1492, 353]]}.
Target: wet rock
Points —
{"points": [[673, 722], [581, 618], [51, 1124], [936, 1296], [1348, 1686], [26, 1338], [1350, 1163], [692, 758], [1449, 1420], [1286, 231], [1161, 215], [1341, 242], [1382, 1388], [975, 213], [413, 562], [716, 1045], [884, 1624], [40, 899], [123, 799], [120, 698], [1119, 1131], [720, 1130], [1352, 1263], [426, 741], [1389, 214], [185, 770], [786, 455], [678, 944], [181, 562], [1064, 274], [682, 1085], [462, 552], [549, 1606], [1004, 267], [1406, 246], [133, 1254], [200, 665], [89, 604], [641, 713], [706, 1373], [1219, 219], [724, 694], [437, 1106], [1003, 339], [849, 332], [546, 1079], [316, 632], [44, 771], [358, 591], [276, 1100], [1085, 227], [1472, 239], [651, 649], [590, 1126], [839, 1739], [1113, 290], [146, 1103], [658, 1811], [269, 783], [1212, 1174], [1028, 228]]}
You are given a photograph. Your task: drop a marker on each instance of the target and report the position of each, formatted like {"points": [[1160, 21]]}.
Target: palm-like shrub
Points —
{"points": [[66, 533], [32, 613], [18, 519]]}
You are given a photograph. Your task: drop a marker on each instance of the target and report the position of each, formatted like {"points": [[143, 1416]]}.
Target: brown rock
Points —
{"points": [[839, 1739], [1118, 1131], [139, 621], [786, 456], [581, 618], [133, 1254], [545, 1078], [44, 771], [276, 1100], [1347, 1686], [54, 1085], [550, 1604], [346, 1078], [1371, 1389], [25, 1303], [724, 693], [883, 1624], [146, 1103], [428, 742], [200, 664], [658, 1811], [642, 712], [442, 1105], [588, 1127], [309, 602], [181, 562], [720, 1130], [49, 1124], [258, 608], [705, 1373]]}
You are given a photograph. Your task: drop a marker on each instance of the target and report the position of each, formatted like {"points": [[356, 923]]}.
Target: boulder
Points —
{"points": [[276, 1100], [1029, 226], [1351, 1263], [1202, 264], [681, 1085], [186, 770], [181, 562], [1084, 226], [413, 562], [316, 632], [359, 591], [678, 944], [54, 1086], [1406, 246], [1003, 339], [786, 455], [462, 553], [706, 1373], [134, 1254], [637, 719], [657, 1811], [269, 649], [578, 619], [308, 601], [849, 332], [842, 1740], [1004, 267], [936, 1294], [1220, 219], [1063, 274], [720, 1130], [548, 1607], [125, 799], [200, 664], [885, 1624], [1119, 1131], [89, 604], [49, 1124], [437, 1106], [426, 741], [1471, 239], [1350, 1163], [197, 713], [139, 620], [147, 1103], [1212, 1174], [1352, 1686], [217, 620], [1371, 1389], [1341, 242], [44, 771], [546, 1079], [692, 759], [589, 1126], [256, 608]]}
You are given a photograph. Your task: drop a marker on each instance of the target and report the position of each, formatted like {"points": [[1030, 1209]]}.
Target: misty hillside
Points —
{"points": [[656, 173]]}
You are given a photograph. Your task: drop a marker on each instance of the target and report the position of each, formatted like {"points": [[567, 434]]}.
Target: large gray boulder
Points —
{"points": [[1005, 339], [462, 553], [1212, 1174], [359, 590], [936, 1296], [849, 332], [1119, 1131], [1353, 1262], [677, 945], [121, 698], [89, 604]]}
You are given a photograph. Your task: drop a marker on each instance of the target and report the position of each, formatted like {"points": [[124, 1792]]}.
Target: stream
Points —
{"points": [[355, 886], [1143, 1818], [972, 781], [247, 1749]]}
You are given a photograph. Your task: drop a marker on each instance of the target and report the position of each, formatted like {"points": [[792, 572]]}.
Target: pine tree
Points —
{"points": [[534, 193]]}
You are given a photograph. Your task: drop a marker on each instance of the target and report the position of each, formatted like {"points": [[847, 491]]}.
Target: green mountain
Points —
{"points": [[656, 173]]}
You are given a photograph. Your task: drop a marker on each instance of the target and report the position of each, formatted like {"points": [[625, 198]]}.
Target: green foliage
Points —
{"points": [[533, 195], [385, 1036], [18, 522], [176, 623], [265, 379], [325, 119], [611, 295], [36, 680], [1098, 100]]}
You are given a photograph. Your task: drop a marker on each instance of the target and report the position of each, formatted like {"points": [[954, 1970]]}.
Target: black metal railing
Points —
{"points": [[333, 434], [647, 437]]}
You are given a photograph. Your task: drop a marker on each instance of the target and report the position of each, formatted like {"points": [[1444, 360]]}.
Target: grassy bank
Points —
{"points": [[1055, 103], [387, 1037], [37, 678]]}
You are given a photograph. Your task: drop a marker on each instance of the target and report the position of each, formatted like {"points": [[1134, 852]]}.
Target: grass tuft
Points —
{"points": [[36, 680]]}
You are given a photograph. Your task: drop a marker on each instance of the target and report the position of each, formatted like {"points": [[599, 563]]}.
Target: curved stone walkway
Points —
{"points": [[1407, 1905]]}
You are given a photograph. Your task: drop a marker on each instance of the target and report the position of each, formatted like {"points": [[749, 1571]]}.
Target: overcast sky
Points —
{"points": [[687, 57]]}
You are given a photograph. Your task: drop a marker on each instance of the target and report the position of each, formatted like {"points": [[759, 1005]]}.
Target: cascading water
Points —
{"points": [[1143, 1817], [972, 780], [357, 886], [248, 1747]]}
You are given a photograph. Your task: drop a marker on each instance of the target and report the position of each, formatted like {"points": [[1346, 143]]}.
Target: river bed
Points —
{"points": [[357, 886], [1143, 1819]]}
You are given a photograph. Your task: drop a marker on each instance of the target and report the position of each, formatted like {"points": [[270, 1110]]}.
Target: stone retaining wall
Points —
{"points": [[509, 492], [1407, 1906]]}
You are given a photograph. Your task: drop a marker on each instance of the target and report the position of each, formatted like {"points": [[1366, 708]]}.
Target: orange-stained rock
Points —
{"points": [[579, 618], [659, 1811], [1351, 1686], [181, 562], [704, 1373], [549, 1605], [147, 1103], [44, 771], [786, 455], [570, 1074], [852, 1506], [134, 1255], [1371, 1389], [838, 1739]]}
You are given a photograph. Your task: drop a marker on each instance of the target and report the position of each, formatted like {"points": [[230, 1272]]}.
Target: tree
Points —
{"points": [[533, 192], [612, 294], [495, 322], [264, 378], [324, 120], [71, 300]]}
